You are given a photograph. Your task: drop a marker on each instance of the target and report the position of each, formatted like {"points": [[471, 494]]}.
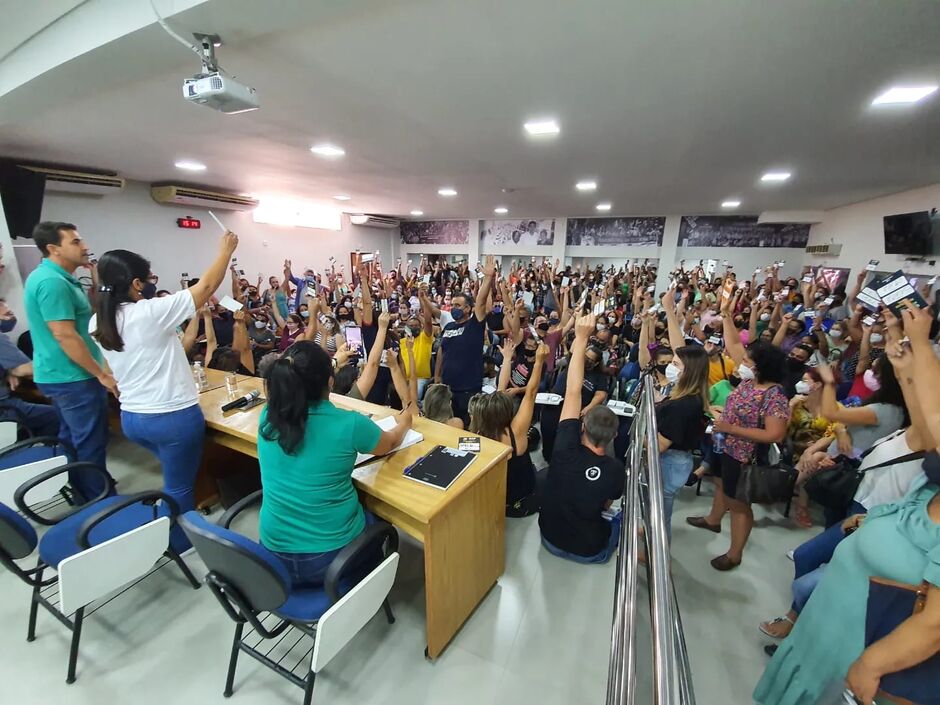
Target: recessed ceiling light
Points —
{"points": [[603, 206], [501, 210], [342, 197], [327, 150], [447, 191], [190, 166], [775, 176], [905, 95], [730, 204], [540, 128], [417, 213], [586, 185]]}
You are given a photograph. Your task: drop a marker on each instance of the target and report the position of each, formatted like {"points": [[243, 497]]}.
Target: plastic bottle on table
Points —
{"points": [[199, 376]]}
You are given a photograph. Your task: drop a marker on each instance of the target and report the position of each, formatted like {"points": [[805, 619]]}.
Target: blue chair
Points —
{"points": [[94, 549], [250, 581], [24, 460]]}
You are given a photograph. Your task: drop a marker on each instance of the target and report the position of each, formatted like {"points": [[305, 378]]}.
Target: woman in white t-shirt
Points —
{"points": [[159, 404]]}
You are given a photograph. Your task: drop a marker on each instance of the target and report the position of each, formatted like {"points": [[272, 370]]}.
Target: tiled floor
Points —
{"points": [[540, 636]]}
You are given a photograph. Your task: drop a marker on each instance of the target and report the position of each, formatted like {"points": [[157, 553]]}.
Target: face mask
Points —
{"points": [[149, 290], [457, 314], [305, 314], [932, 467], [795, 365], [529, 354], [871, 380], [803, 387], [600, 326], [328, 324], [672, 373], [744, 372], [662, 368], [7, 326], [877, 338], [590, 364], [542, 327], [415, 331], [611, 320], [259, 324], [765, 317], [835, 334]]}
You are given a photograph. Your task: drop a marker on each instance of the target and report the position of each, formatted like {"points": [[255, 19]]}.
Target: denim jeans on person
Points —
{"points": [[601, 557], [40, 419], [83, 423], [176, 438], [803, 587], [309, 569], [676, 465], [816, 552]]}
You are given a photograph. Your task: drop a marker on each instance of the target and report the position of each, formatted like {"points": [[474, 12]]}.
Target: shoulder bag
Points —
{"points": [[889, 604], [766, 480]]}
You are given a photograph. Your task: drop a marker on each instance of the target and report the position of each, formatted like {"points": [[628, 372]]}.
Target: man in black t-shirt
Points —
{"points": [[460, 358], [582, 479]]}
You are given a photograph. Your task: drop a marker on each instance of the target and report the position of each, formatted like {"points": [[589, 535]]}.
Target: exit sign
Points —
{"points": [[188, 223]]}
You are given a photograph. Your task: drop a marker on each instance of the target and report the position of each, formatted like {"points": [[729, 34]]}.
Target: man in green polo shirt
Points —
{"points": [[67, 363]]}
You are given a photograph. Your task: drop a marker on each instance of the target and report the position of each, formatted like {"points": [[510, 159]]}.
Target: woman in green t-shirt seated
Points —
{"points": [[307, 448]]}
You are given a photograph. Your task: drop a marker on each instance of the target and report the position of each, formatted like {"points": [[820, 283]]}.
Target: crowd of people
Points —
{"points": [[739, 367]]}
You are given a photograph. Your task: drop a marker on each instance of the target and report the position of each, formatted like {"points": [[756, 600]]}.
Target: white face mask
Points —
{"points": [[600, 326], [765, 316], [259, 324], [803, 387], [672, 373], [836, 334], [744, 372], [877, 338]]}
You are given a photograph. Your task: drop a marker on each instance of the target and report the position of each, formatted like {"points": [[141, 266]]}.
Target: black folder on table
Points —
{"points": [[440, 467]]}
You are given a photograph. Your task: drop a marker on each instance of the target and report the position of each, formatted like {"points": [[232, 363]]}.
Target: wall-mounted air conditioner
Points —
{"points": [[829, 249], [69, 181], [373, 221], [204, 198]]}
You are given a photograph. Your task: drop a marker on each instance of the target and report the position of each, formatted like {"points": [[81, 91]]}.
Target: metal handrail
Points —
{"points": [[672, 676]]}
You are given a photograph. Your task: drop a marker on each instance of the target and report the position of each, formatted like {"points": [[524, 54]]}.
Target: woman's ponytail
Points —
{"points": [[117, 270]]}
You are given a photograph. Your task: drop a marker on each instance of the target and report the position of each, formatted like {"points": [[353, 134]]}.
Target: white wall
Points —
{"points": [[131, 220], [11, 284], [859, 228]]}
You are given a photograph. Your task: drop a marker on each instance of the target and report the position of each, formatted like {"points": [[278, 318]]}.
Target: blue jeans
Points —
{"points": [[40, 419], [803, 587], [83, 422], [308, 570], [176, 438], [675, 466], [601, 557], [818, 550]]}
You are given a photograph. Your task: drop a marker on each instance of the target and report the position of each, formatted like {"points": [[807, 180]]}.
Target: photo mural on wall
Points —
{"points": [[517, 231], [435, 232], [739, 231], [615, 231]]}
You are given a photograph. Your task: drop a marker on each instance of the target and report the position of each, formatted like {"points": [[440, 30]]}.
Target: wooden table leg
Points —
{"points": [[464, 554]]}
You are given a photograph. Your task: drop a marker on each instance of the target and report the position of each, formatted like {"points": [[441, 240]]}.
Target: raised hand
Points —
{"points": [[585, 326]]}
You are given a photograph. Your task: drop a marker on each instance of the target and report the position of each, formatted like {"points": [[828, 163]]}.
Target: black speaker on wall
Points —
{"points": [[21, 192]]}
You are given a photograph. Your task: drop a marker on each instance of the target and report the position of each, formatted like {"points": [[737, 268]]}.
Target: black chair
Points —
{"points": [[251, 583], [94, 549]]}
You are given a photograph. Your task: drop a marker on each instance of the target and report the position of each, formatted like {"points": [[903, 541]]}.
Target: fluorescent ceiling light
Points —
{"points": [[905, 95], [342, 197], [501, 210], [190, 165], [296, 213], [540, 128], [730, 204], [327, 150], [447, 191], [603, 206], [417, 213], [586, 185], [775, 176]]}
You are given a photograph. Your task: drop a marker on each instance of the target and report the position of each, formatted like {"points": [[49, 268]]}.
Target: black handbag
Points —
{"points": [[889, 604], [765, 480], [835, 488]]}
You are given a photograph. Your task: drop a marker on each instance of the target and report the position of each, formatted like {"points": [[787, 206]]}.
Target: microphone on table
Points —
{"points": [[241, 401]]}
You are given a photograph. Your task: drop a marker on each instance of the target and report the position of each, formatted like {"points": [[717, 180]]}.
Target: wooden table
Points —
{"points": [[462, 528]]}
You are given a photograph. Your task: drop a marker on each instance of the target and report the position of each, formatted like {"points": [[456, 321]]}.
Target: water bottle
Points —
{"points": [[718, 443], [199, 376]]}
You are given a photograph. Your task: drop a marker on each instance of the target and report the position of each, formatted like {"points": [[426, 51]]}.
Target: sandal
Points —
{"points": [[803, 519], [700, 523], [775, 627], [723, 563]]}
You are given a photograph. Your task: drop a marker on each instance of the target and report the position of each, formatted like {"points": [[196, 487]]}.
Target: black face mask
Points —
{"points": [[415, 331], [662, 368], [542, 327], [734, 381], [795, 365], [589, 365], [932, 467], [149, 290]]}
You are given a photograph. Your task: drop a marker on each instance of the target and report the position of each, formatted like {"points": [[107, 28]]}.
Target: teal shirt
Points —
{"points": [[52, 294], [310, 504]]}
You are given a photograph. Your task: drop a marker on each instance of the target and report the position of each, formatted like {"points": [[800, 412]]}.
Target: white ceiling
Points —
{"points": [[671, 106], [24, 19]]}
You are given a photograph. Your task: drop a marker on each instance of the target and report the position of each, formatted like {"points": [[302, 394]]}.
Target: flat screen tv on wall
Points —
{"points": [[913, 234]]}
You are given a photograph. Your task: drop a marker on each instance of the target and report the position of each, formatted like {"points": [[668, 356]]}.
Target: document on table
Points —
{"points": [[387, 424]]}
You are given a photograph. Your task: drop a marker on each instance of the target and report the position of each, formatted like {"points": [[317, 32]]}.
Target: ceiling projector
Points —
{"points": [[221, 93]]}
